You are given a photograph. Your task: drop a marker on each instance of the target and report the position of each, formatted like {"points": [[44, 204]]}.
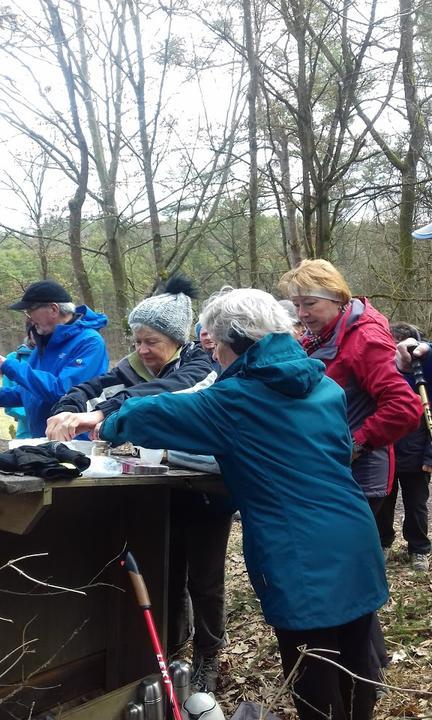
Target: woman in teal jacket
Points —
{"points": [[278, 428]]}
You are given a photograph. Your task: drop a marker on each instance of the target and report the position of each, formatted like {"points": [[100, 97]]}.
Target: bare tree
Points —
{"points": [[250, 35], [77, 201], [107, 171], [29, 189]]}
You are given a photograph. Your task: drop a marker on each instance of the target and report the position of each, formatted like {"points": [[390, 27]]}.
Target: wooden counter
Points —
{"points": [[85, 645]]}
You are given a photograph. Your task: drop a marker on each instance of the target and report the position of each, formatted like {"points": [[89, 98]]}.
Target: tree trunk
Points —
{"points": [[416, 142], [138, 85], [323, 232], [76, 203], [253, 145], [294, 248], [75, 211], [406, 255], [43, 258], [107, 175]]}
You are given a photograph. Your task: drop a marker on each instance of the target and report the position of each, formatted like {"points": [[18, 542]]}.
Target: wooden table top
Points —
{"points": [[20, 484]]}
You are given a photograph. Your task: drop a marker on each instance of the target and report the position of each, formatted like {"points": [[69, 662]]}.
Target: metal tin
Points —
{"points": [[100, 447], [134, 711], [180, 672], [150, 695], [133, 466]]}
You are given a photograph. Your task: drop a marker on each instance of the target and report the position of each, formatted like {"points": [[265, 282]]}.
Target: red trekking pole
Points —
{"points": [[141, 592]]}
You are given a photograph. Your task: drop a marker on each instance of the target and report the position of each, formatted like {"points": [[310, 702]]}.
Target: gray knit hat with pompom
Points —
{"points": [[169, 312]]}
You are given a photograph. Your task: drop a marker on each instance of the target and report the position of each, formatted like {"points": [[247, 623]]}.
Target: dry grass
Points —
{"points": [[5, 423], [251, 667]]}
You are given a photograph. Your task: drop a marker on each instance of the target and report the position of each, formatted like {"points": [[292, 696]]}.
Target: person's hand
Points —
{"points": [[403, 355], [94, 434], [427, 468], [2, 359], [67, 425]]}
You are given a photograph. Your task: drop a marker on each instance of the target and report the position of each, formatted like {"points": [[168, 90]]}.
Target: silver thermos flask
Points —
{"points": [[180, 672], [150, 696], [134, 711]]}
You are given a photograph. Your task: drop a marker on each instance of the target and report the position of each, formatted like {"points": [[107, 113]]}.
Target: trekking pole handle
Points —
{"points": [[421, 387], [416, 367], [129, 563]]}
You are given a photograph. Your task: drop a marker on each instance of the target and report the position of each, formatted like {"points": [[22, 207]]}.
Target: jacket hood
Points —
{"points": [[363, 312], [86, 318], [89, 318], [279, 362]]}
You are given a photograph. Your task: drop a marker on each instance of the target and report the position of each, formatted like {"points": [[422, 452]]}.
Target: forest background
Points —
{"points": [[225, 140]]}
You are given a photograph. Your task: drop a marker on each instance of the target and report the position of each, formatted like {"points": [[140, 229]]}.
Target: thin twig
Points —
{"points": [[312, 651], [42, 582], [110, 562]]}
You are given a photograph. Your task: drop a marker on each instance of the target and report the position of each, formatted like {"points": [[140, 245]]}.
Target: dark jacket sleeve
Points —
{"points": [[195, 366], [76, 399], [427, 457]]}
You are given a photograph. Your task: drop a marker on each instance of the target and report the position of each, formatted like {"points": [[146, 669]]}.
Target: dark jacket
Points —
{"points": [[75, 351], [130, 379], [382, 408], [414, 451], [278, 429]]}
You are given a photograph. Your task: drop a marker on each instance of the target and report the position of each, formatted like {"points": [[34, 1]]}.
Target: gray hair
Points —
{"points": [[137, 327], [289, 308], [66, 308], [249, 312]]}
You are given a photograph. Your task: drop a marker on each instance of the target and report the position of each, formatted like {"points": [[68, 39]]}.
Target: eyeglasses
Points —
{"points": [[32, 308]]}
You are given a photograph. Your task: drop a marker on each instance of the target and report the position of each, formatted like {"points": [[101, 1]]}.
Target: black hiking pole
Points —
{"points": [[421, 387], [143, 598]]}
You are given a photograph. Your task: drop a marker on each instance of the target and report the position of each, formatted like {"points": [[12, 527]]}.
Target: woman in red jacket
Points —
{"points": [[354, 342]]}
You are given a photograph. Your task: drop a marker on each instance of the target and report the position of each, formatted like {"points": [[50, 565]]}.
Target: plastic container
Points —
{"points": [[103, 466], [83, 446], [148, 456]]}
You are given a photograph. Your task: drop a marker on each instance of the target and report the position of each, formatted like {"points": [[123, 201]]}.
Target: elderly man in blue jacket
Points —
{"points": [[69, 350]]}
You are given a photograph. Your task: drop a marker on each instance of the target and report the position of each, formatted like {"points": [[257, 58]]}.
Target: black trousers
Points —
{"points": [[379, 657], [320, 687], [415, 495], [196, 585]]}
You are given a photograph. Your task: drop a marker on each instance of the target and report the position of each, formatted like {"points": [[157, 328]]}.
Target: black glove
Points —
{"points": [[46, 460]]}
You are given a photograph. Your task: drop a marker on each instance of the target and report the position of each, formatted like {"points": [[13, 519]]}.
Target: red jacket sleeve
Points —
{"points": [[398, 407]]}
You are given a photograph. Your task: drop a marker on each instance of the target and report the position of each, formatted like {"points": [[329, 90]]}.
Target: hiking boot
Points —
{"points": [[419, 562], [205, 670]]}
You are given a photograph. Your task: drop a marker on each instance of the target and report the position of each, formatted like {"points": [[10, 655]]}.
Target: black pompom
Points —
{"points": [[180, 284]]}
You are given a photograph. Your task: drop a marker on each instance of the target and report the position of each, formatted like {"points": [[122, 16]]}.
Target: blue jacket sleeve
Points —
{"points": [[17, 412], [179, 422], [50, 387], [10, 397]]}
